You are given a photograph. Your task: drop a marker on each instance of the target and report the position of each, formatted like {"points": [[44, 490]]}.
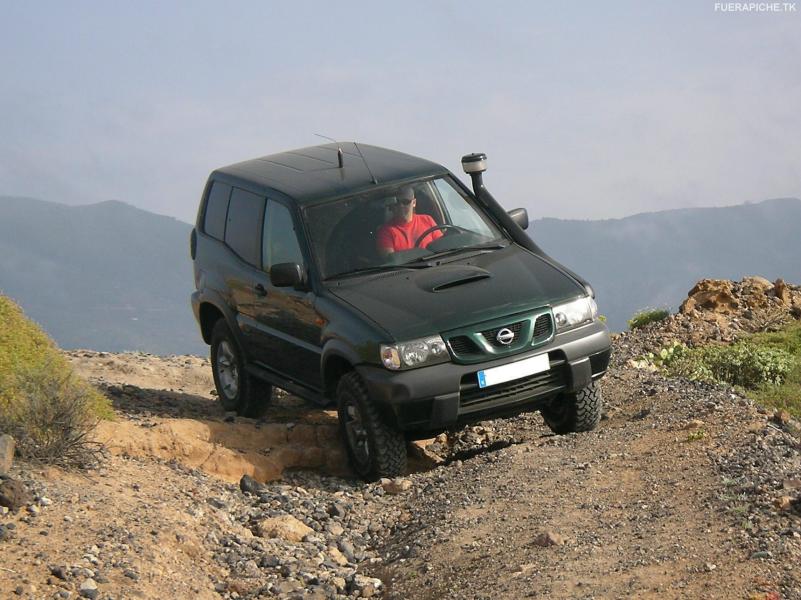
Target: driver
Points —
{"points": [[401, 232]]}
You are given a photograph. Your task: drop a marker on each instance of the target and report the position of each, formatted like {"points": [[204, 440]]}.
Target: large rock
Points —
{"points": [[14, 495], [285, 527], [755, 283], [396, 486], [782, 292], [6, 453], [714, 295], [548, 538], [248, 485], [367, 587]]}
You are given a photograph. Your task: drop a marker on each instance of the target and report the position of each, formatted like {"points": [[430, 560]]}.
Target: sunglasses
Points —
{"points": [[405, 202]]}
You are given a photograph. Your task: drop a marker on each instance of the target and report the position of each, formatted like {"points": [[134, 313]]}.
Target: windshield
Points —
{"points": [[395, 226]]}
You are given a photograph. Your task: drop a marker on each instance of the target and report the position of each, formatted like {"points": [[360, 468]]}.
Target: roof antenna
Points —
{"points": [[372, 177], [340, 157]]}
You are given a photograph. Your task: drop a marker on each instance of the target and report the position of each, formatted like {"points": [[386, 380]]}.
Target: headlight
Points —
{"points": [[577, 312], [415, 353]]}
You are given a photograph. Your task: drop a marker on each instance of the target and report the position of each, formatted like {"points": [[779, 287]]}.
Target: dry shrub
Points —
{"points": [[47, 409], [52, 419], [769, 320]]}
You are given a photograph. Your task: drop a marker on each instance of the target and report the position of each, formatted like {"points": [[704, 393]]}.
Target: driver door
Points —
{"points": [[288, 329]]}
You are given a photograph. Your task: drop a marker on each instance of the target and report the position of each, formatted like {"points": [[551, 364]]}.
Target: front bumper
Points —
{"points": [[441, 396]]}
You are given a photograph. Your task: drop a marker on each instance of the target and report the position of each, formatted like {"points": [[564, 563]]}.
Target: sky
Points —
{"points": [[585, 110]]}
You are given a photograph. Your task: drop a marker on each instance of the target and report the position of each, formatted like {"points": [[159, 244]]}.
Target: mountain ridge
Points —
{"points": [[112, 276], [107, 275], [651, 260]]}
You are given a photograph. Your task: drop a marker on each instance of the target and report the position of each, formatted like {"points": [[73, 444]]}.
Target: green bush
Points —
{"points": [[744, 363], [648, 316], [43, 405], [786, 396], [768, 365]]}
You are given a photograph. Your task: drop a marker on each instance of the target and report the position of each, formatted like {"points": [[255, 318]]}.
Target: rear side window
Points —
{"points": [[216, 210], [243, 231]]}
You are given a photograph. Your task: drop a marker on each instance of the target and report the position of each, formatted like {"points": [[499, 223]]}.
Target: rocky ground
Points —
{"points": [[684, 491]]}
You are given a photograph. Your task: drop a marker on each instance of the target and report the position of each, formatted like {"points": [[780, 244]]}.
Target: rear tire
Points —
{"points": [[579, 411], [375, 449], [237, 390]]}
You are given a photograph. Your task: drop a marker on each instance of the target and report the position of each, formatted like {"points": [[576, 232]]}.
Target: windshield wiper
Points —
{"points": [[376, 269], [495, 245]]}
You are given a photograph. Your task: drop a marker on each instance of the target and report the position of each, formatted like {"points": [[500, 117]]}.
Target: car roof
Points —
{"points": [[311, 174]]}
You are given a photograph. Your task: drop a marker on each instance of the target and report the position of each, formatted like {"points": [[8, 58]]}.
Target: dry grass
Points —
{"points": [[47, 409]]}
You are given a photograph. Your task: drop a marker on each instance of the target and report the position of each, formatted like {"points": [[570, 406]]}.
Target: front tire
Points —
{"points": [[579, 411], [375, 449], [237, 390]]}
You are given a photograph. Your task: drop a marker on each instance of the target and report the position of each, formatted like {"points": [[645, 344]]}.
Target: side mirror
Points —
{"points": [[519, 216], [286, 275]]}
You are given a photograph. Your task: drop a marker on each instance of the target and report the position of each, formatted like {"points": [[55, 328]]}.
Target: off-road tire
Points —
{"points": [[579, 411], [252, 395], [386, 445]]}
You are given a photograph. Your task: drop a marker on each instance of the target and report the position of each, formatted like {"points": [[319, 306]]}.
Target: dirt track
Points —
{"points": [[639, 509], [672, 497]]}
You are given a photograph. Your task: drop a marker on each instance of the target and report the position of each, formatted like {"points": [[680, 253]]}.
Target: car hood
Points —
{"points": [[415, 303]]}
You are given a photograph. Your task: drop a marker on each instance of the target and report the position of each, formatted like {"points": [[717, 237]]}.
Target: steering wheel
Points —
{"points": [[433, 229]]}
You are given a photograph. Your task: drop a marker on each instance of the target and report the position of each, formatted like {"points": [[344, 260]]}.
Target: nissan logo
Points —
{"points": [[505, 336]]}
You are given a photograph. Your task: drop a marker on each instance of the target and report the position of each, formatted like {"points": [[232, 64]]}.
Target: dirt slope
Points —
{"points": [[640, 508], [684, 491]]}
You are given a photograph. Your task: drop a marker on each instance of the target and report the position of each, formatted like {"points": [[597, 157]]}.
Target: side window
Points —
{"points": [[217, 210], [280, 238], [243, 231], [460, 211]]}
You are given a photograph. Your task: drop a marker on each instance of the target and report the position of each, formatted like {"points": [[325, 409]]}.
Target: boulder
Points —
{"points": [[88, 589], [14, 495], [782, 292], [367, 587], [715, 295], [756, 283], [6, 453], [248, 485], [549, 538], [285, 527], [337, 557], [396, 486], [783, 502]]}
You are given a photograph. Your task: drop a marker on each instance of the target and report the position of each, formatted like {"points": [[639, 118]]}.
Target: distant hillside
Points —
{"points": [[653, 259], [105, 276], [113, 277]]}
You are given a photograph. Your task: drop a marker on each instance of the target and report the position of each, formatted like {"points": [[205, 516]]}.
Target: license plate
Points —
{"points": [[512, 371]]}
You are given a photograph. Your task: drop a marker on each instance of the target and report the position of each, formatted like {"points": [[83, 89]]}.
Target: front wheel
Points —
{"points": [[375, 449], [579, 411], [237, 390]]}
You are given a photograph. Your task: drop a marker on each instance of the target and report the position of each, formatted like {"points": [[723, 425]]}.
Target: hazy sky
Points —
{"points": [[586, 110]]}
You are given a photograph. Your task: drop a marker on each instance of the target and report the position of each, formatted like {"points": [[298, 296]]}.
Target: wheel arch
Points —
{"points": [[211, 309], [337, 359], [209, 315]]}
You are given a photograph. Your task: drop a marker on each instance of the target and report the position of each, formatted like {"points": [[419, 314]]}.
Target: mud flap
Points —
{"points": [[580, 374]]}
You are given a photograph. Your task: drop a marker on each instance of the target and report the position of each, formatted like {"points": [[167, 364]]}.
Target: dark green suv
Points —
{"points": [[356, 275]]}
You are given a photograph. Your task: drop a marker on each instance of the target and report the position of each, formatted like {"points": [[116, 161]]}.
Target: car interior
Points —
{"points": [[352, 243]]}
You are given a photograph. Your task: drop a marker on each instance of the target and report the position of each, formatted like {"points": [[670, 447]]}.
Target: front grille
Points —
{"points": [[543, 327], [472, 345], [491, 334], [461, 344], [473, 397]]}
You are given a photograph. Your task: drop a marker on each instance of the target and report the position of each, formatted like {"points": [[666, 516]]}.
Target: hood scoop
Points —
{"points": [[447, 277]]}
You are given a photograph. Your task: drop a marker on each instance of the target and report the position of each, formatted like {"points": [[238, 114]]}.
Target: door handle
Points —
{"points": [[260, 291]]}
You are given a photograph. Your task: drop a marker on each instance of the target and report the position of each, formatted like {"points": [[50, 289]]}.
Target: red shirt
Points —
{"points": [[398, 235]]}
